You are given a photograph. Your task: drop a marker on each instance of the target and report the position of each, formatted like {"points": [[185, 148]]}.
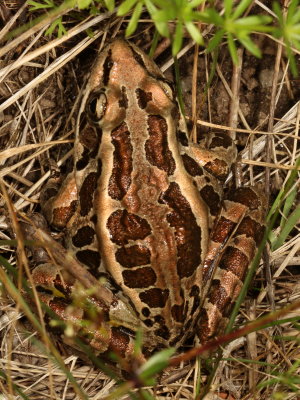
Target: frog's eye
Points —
{"points": [[96, 106], [167, 88]]}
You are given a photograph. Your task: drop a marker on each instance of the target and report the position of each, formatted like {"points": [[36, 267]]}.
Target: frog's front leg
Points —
{"points": [[59, 200]]}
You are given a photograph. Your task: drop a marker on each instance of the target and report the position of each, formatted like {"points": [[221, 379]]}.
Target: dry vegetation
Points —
{"points": [[41, 87]]}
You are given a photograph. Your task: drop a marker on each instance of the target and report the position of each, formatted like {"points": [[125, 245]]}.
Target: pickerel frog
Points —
{"points": [[144, 208]]}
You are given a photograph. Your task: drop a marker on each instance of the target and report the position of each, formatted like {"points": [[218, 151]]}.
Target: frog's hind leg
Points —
{"points": [[237, 232], [94, 315], [215, 153], [209, 163], [82, 319]]}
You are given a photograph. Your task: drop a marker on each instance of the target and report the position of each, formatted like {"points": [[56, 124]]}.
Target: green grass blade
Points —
{"points": [[283, 192], [194, 32], [177, 39], [232, 48], [131, 27], [250, 46], [228, 7], [215, 41], [125, 7], [242, 5], [290, 224], [289, 201], [15, 294]]}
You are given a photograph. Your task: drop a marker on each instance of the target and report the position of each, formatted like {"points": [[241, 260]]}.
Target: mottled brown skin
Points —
{"points": [[147, 206]]}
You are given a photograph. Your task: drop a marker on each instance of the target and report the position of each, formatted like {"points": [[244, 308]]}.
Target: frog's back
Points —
{"points": [[151, 223]]}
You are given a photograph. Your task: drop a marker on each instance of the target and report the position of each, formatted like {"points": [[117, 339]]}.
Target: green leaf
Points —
{"points": [[292, 9], [242, 5], [177, 39], [288, 30], [289, 225], [211, 16], [134, 19], [250, 45], [278, 12], [93, 11], [138, 342], [232, 48], [162, 28], [283, 191], [272, 238], [254, 20], [195, 3], [191, 16], [160, 19], [254, 23], [164, 15], [125, 7], [156, 363], [60, 28], [154, 44], [110, 4], [291, 58], [289, 201], [150, 7], [51, 28], [213, 43], [194, 32], [295, 18], [38, 6], [83, 4], [145, 395], [228, 7], [161, 3]]}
